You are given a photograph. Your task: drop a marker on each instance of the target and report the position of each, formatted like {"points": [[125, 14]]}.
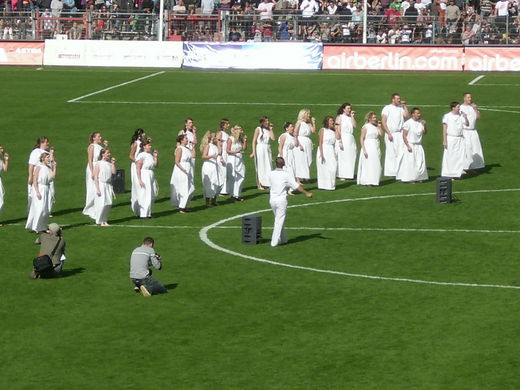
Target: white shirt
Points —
{"points": [[394, 117], [415, 130], [281, 181], [454, 123], [266, 10], [309, 7], [501, 8], [471, 114]]}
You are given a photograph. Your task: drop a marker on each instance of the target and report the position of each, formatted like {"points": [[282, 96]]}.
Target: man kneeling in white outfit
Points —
{"points": [[281, 182]]}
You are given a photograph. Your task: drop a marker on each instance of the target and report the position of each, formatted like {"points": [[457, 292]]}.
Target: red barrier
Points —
{"points": [[492, 59], [393, 58], [21, 53]]}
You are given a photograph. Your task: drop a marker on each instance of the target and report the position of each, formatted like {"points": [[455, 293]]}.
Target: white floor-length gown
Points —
{"points": [[134, 204], [237, 169], [146, 195], [347, 156], [103, 203], [90, 184], [38, 218], [181, 184], [369, 168], [211, 173], [328, 165], [288, 152], [304, 157], [263, 159]]}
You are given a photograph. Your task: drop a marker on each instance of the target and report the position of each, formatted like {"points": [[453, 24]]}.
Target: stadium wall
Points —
{"points": [[258, 55]]}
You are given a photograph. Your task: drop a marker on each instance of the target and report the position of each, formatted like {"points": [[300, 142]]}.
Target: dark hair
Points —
{"points": [[415, 109], [280, 162], [454, 104], [342, 107], [180, 137], [137, 135], [148, 240], [326, 121], [395, 94], [40, 141], [263, 119], [286, 125]]}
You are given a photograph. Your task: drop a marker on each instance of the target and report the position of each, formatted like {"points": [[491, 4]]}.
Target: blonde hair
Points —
{"points": [[302, 113], [368, 115], [235, 133], [206, 140]]}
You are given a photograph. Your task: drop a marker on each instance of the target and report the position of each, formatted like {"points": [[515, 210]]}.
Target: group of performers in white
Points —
{"points": [[223, 167]]}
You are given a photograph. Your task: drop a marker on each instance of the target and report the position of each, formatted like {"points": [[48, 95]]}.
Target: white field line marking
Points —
{"points": [[476, 79], [497, 85], [362, 229], [484, 108], [497, 110], [114, 86], [203, 234]]}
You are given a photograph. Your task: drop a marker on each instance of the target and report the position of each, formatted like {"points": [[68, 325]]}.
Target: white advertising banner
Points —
{"points": [[253, 55], [113, 53]]}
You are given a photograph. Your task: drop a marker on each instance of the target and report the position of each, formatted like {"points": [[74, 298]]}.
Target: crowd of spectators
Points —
{"points": [[329, 21]]}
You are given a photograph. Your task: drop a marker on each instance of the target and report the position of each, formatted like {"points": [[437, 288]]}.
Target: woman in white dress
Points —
{"points": [[369, 165], [305, 126], [145, 164], [104, 169], [4, 166], [326, 163], [222, 137], [135, 147], [42, 177], [236, 146], [211, 168], [346, 148], [286, 145], [93, 153], [181, 182], [412, 162], [42, 146], [261, 152], [190, 131]]}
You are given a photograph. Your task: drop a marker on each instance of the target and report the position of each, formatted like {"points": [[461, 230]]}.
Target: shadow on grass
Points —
{"points": [[71, 272], [305, 238], [171, 286]]}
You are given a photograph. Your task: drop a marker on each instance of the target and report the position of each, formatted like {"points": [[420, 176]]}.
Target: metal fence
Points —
{"points": [[281, 26]]}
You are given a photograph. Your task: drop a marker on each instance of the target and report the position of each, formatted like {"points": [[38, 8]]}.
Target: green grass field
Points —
{"points": [[379, 288]]}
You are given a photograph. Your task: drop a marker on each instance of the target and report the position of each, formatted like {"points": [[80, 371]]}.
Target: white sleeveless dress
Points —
{"points": [[263, 160], [146, 195], [181, 184], [211, 174], [304, 158], [38, 218], [237, 169], [90, 184], [288, 152], [103, 203], [328, 166], [347, 156], [369, 168]]}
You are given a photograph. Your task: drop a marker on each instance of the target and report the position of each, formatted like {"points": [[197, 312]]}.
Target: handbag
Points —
{"points": [[43, 263]]}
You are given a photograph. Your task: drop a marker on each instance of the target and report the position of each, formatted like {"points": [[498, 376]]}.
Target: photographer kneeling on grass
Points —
{"points": [[49, 262], [142, 258]]}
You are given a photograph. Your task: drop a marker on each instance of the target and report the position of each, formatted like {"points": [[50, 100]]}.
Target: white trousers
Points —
{"points": [[279, 210]]}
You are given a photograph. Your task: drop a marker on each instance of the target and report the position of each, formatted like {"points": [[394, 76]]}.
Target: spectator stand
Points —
{"points": [[193, 27]]}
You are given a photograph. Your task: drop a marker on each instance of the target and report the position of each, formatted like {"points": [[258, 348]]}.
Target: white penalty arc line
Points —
{"points": [[203, 234], [476, 80], [78, 99]]}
